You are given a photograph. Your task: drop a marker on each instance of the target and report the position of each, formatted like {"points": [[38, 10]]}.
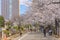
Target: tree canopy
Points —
{"points": [[1, 21]]}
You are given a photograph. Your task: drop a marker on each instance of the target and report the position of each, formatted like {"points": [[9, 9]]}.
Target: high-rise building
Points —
{"points": [[5, 8], [10, 8], [15, 9]]}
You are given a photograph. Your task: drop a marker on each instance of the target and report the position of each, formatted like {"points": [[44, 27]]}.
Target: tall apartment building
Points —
{"points": [[5, 8], [10, 8], [15, 9]]}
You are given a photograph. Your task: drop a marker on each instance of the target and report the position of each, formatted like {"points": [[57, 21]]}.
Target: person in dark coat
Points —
{"points": [[44, 31]]}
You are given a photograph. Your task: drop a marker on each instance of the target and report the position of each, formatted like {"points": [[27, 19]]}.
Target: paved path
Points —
{"points": [[37, 36]]}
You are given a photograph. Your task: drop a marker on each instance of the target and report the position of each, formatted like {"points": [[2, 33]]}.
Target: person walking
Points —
{"points": [[44, 31]]}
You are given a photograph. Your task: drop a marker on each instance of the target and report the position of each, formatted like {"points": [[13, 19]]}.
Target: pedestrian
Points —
{"points": [[44, 31]]}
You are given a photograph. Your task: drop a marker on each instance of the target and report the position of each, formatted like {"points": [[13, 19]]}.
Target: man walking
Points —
{"points": [[44, 31]]}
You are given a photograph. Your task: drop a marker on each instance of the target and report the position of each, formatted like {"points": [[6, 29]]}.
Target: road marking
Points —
{"points": [[24, 36]]}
